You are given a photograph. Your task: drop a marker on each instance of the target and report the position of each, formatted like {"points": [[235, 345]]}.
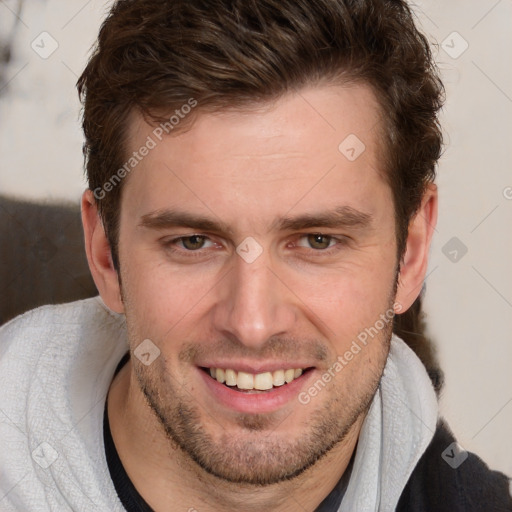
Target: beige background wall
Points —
{"points": [[469, 296]]}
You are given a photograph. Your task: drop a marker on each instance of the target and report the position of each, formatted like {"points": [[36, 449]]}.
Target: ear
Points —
{"points": [[99, 255], [415, 260]]}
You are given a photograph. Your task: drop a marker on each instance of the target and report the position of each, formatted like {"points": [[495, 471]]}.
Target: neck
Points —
{"points": [[162, 473]]}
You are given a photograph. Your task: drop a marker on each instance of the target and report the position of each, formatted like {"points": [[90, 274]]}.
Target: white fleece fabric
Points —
{"points": [[56, 365]]}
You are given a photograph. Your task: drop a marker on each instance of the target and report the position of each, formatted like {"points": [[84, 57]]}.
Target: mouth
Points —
{"points": [[255, 387], [255, 383]]}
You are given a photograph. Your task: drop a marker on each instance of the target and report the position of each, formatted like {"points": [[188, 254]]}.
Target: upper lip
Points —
{"points": [[255, 368]]}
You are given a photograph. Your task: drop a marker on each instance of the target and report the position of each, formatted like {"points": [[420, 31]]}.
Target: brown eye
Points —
{"points": [[193, 243], [319, 241]]}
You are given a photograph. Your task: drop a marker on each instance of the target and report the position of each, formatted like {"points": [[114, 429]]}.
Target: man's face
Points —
{"points": [[261, 287]]}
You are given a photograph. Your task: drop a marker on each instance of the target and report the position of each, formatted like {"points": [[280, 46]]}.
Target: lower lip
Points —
{"points": [[255, 403]]}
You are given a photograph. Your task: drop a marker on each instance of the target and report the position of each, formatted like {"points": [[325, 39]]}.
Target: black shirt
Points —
{"points": [[129, 496], [134, 502]]}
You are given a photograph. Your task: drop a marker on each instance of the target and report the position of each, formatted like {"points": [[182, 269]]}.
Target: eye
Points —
{"points": [[191, 242], [318, 241]]}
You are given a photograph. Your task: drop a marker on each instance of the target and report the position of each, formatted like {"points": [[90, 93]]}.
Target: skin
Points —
{"points": [[201, 305]]}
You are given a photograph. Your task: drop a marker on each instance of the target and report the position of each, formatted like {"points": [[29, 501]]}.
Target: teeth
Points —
{"points": [[278, 378], [230, 377], [289, 375], [261, 381], [221, 376], [244, 380]]}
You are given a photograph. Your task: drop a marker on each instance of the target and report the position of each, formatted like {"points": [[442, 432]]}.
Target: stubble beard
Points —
{"points": [[257, 453]]}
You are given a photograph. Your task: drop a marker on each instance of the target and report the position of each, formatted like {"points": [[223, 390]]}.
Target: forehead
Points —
{"points": [[317, 145]]}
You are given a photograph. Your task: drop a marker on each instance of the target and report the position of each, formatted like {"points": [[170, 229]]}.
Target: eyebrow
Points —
{"points": [[341, 217]]}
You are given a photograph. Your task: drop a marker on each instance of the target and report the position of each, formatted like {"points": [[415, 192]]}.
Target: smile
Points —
{"points": [[259, 381], [265, 389]]}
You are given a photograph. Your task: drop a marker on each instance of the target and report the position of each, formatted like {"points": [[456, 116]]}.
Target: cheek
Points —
{"points": [[158, 297], [347, 299]]}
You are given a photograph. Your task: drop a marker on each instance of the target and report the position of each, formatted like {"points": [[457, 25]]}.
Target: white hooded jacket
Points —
{"points": [[56, 366]]}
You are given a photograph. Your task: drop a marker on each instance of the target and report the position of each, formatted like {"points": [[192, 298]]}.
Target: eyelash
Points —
{"points": [[341, 242]]}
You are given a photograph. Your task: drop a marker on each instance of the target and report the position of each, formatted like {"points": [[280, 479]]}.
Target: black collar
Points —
{"points": [[130, 498]]}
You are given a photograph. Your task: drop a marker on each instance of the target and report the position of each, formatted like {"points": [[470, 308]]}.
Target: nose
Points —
{"points": [[255, 304]]}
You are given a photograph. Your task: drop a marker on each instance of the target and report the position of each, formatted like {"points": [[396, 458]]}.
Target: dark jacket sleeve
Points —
{"points": [[444, 481]]}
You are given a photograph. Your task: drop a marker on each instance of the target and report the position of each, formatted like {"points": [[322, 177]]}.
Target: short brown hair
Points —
{"points": [[153, 56]]}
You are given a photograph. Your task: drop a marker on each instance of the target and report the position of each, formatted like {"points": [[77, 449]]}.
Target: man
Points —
{"points": [[261, 204]]}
